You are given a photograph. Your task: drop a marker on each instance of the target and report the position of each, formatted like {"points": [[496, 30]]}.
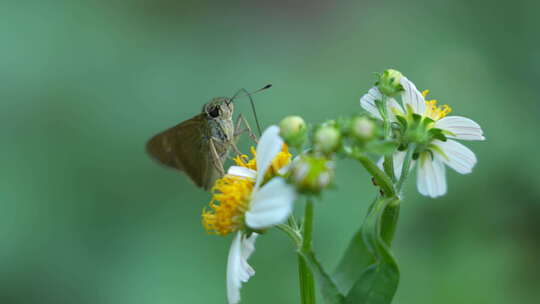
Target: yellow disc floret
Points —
{"points": [[433, 111], [282, 159], [230, 201], [231, 195], [244, 161]]}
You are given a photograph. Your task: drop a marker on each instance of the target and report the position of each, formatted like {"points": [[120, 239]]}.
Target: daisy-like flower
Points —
{"points": [[250, 197], [439, 148]]}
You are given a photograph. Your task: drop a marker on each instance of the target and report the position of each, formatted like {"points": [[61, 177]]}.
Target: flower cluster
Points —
{"points": [[401, 126]]}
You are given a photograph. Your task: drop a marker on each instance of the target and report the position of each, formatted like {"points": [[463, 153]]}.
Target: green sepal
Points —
{"points": [[416, 118], [426, 122], [437, 134], [402, 120]]}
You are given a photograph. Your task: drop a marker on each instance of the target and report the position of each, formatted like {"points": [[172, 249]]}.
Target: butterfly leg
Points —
{"points": [[252, 107], [239, 131], [214, 156]]}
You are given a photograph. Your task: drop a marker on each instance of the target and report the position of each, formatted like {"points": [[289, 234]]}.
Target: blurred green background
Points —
{"points": [[87, 217]]}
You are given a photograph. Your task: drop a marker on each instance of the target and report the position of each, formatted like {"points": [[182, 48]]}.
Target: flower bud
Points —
{"points": [[363, 128], [390, 82], [326, 139], [293, 130], [312, 174]]}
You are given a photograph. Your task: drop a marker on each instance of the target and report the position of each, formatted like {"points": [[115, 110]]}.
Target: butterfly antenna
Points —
{"points": [[252, 103]]}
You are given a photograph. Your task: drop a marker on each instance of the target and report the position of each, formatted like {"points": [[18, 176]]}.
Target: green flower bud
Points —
{"points": [[363, 128], [293, 130], [389, 82], [326, 139], [312, 174]]}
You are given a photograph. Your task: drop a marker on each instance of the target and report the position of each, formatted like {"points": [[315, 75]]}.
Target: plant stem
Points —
{"points": [[388, 159], [380, 177], [307, 282], [293, 234], [389, 221], [406, 167]]}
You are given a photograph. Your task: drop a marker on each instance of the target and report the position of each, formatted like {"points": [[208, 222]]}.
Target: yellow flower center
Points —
{"points": [[282, 159], [231, 195], [433, 111], [230, 201]]}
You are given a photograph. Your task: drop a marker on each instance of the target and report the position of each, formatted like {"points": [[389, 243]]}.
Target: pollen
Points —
{"points": [[244, 161], [230, 201], [231, 195], [433, 111], [282, 159]]}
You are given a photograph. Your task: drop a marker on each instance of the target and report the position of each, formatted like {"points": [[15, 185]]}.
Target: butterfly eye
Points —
{"points": [[214, 112]]}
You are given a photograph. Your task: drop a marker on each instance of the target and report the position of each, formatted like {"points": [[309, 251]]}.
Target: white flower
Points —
{"points": [[431, 177], [260, 206]]}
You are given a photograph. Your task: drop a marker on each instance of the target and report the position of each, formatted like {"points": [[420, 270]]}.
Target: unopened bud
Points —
{"points": [[363, 128], [326, 139], [293, 130], [312, 174], [390, 82]]}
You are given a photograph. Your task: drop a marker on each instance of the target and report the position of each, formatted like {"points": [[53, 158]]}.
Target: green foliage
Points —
{"points": [[327, 286], [368, 273], [378, 282]]}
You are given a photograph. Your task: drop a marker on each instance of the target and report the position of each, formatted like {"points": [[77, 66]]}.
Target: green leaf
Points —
{"points": [[354, 262], [378, 282], [327, 287], [357, 258]]}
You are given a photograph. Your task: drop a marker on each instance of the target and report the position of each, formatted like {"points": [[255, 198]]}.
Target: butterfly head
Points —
{"points": [[219, 108]]}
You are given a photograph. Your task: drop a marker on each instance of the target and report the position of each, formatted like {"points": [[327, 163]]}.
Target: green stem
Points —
{"points": [[406, 167], [307, 281], [389, 221], [380, 177], [293, 234], [388, 163]]}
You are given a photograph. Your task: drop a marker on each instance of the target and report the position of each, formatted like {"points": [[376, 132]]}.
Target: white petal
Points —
{"points": [[399, 157], [411, 96], [463, 128], [242, 172], [238, 270], [271, 205], [269, 146], [368, 102], [431, 177], [380, 163], [457, 156]]}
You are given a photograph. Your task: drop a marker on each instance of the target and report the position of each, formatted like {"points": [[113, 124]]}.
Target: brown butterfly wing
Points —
{"points": [[182, 147]]}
